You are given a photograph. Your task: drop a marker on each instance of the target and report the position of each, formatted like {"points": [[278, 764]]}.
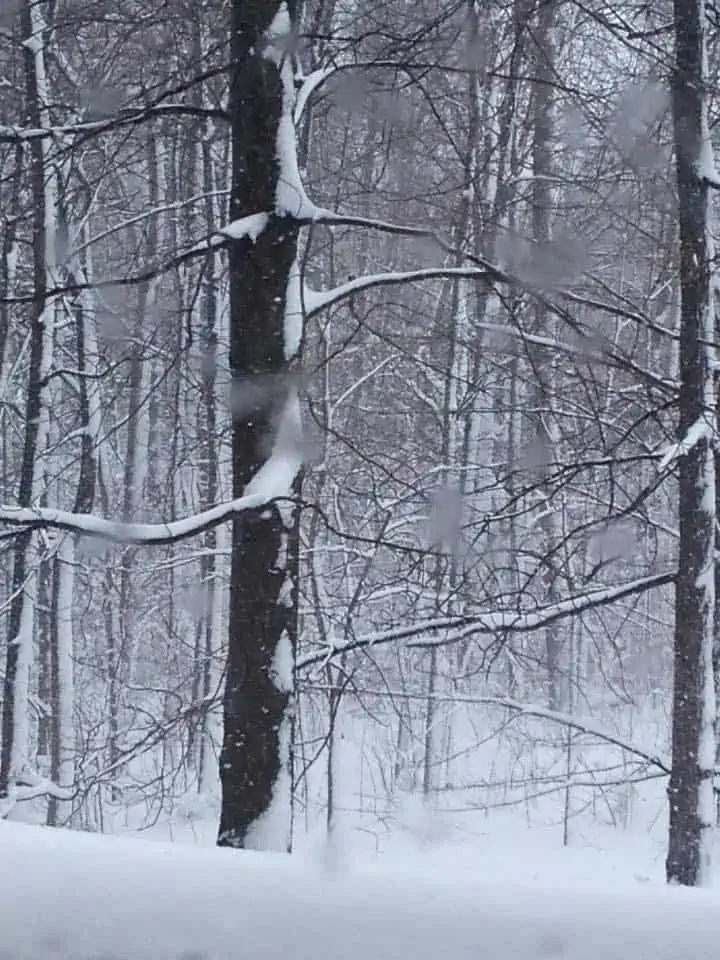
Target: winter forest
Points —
{"points": [[358, 421]]}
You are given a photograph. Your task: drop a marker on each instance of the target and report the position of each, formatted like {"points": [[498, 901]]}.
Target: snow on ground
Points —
{"points": [[77, 896], [500, 843]]}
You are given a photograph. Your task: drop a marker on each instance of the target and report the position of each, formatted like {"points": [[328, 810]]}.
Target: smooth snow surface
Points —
{"points": [[70, 896]]}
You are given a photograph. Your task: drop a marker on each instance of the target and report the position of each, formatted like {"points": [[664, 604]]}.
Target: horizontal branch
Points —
{"points": [[140, 534], [196, 252], [455, 629], [86, 128], [31, 787]]}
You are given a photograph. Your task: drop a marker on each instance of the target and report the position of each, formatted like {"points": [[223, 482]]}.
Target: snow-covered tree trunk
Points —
{"points": [[693, 722], [264, 338], [14, 750], [542, 398], [62, 766], [9, 255]]}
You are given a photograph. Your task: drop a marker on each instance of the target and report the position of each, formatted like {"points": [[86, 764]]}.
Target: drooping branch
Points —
{"points": [[317, 300], [521, 709]]}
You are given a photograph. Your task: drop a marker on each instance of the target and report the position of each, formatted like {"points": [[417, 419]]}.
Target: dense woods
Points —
{"points": [[357, 414]]}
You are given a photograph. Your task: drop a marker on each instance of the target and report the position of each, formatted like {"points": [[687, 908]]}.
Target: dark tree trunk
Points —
{"points": [[263, 582], [693, 748]]}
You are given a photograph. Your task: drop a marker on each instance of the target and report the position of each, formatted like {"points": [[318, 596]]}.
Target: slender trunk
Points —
{"points": [[16, 687], [429, 738], [207, 639], [62, 756], [120, 636], [542, 399], [8, 260], [693, 719]]}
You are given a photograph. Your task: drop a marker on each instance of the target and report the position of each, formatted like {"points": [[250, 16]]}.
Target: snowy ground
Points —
{"points": [[507, 872], [500, 842], [73, 896]]}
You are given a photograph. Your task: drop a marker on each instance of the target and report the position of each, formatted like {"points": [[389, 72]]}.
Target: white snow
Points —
{"points": [[250, 227], [309, 85], [706, 164], [273, 829], [283, 668], [293, 313], [706, 168], [66, 896], [275, 478], [290, 198], [702, 429]]}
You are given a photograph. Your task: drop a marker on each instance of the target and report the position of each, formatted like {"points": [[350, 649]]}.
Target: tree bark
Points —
{"points": [[263, 581], [693, 735]]}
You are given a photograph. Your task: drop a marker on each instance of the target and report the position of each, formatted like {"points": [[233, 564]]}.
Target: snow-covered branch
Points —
{"points": [[195, 252], [317, 300], [16, 134], [582, 726], [31, 787], [144, 534], [306, 213], [454, 629]]}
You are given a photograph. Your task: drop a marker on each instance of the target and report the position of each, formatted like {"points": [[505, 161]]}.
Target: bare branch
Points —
{"points": [[526, 710]]}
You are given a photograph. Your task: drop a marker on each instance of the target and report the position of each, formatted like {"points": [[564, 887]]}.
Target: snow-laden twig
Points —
{"points": [[124, 118], [497, 621], [246, 227]]}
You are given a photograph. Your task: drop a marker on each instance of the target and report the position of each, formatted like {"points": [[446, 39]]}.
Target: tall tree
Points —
{"points": [[14, 758], [693, 724], [264, 340]]}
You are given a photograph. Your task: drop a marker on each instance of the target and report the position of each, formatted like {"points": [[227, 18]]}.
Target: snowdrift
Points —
{"points": [[81, 897]]}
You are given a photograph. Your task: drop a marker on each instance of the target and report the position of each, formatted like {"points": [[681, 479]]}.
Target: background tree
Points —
{"points": [[482, 246]]}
